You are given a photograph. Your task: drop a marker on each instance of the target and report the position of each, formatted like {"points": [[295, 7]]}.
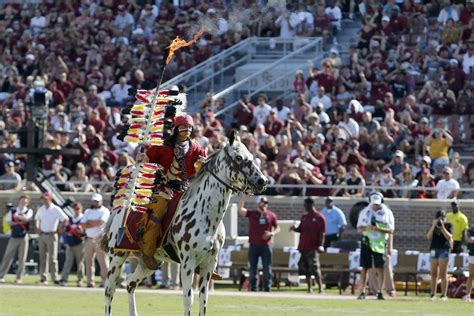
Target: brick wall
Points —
{"points": [[412, 217]]}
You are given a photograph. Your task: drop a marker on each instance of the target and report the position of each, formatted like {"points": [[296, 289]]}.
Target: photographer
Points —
{"points": [[440, 235], [470, 247]]}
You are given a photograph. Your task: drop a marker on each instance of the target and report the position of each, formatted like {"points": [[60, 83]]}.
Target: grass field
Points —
{"points": [[29, 300]]}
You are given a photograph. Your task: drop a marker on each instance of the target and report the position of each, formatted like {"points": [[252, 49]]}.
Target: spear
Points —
{"points": [[176, 44]]}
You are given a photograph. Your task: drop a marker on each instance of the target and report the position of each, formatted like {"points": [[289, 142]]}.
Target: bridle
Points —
{"points": [[235, 165]]}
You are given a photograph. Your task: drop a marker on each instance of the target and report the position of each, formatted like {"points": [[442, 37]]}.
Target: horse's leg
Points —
{"points": [[116, 262], [187, 274], [133, 280], [206, 270]]}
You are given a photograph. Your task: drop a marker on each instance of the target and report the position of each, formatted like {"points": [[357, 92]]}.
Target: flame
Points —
{"points": [[178, 42]]}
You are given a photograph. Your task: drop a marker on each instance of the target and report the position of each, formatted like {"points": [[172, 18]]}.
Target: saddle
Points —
{"points": [[134, 223]]}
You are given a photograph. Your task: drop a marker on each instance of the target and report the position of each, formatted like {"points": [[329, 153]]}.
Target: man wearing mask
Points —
{"points": [[93, 222], [312, 229], [263, 225], [74, 246], [460, 225], [335, 222], [47, 219], [18, 218], [376, 223]]}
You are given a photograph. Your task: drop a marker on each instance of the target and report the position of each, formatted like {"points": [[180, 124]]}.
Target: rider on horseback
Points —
{"points": [[181, 158]]}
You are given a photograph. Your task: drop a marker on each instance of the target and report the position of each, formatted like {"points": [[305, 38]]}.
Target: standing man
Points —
{"points": [[263, 225], [93, 222], [335, 222], [312, 229], [460, 225], [447, 187], [74, 246], [47, 219], [18, 218], [376, 223]]}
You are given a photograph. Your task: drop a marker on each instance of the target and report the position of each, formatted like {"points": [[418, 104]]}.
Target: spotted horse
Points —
{"points": [[196, 233]]}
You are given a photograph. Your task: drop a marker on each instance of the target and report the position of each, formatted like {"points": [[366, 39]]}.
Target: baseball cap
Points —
{"points": [[398, 153], [320, 136], [263, 199], [440, 213], [309, 201], [334, 51], [376, 199], [333, 155], [454, 62], [47, 195], [30, 56], [96, 197], [424, 120], [329, 199], [385, 19], [10, 164], [427, 159], [448, 170]]}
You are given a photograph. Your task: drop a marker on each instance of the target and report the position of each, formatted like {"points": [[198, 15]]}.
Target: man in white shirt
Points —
{"points": [[18, 218], [335, 14], [48, 217], [93, 222], [321, 97], [286, 25], [468, 60], [120, 91], [262, 110], [447, 187], [349, 126]]}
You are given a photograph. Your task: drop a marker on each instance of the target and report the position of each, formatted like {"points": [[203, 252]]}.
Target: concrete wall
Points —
{"points": [[412, 217]]}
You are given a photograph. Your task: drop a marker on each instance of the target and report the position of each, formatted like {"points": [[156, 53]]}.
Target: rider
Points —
{"points": [[181, 158]]}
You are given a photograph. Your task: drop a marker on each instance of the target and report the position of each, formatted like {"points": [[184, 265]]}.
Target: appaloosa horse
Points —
{"points": [[196, 233]]}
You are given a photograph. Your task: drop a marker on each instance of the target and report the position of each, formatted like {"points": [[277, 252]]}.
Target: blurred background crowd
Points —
{"points": [[394, 110]]}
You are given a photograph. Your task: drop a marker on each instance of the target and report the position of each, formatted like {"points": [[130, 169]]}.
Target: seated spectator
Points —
{"points": [[385, 179], [13, 181], [273, 125], [448, 188], [79, 180], [439, 142], [355, 180]]}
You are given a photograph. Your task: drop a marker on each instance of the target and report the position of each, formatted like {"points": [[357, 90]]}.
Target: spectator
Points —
{"points": [[355, 180], [273, 125], [18, 218], [49, 218], [457, 167], [74, 246], [335, 222], [312, 229], [262, 110], [447, 187], [459, 224], [243, 113], [13, 181], [263, 225], [93, 222], [440, 235], [120, 92], [426, 181], [439, 142], [376, 223]]}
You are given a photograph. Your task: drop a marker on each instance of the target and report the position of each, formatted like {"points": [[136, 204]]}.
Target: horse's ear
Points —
{"points": [[232, 135]]}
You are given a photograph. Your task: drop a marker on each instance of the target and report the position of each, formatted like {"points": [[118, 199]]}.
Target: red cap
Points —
{"points": [[47, 195], [264, 199], [183, 120]]}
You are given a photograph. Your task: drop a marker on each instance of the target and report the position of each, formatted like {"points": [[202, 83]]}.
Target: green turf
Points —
{"points": [[56, 301]]}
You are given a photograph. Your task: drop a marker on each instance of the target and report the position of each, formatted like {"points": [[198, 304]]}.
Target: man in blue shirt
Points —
{"points": [[335, 222]]}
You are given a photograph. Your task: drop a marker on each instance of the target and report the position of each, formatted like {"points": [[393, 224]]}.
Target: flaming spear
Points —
{"points": [[134, 185]]}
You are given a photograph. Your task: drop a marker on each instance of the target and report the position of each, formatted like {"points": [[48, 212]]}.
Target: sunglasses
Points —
{"points": [[184, 128]]}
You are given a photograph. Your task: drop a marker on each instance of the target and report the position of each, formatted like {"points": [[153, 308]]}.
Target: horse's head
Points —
{"points": [[244, 171]]}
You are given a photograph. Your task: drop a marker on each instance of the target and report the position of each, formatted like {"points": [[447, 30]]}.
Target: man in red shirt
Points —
{"points": [[312, 229], [263, 225], [273, 124]]}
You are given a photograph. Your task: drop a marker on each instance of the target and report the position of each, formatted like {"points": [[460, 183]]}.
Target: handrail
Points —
{"points": [[269, 66], [208, 62]]}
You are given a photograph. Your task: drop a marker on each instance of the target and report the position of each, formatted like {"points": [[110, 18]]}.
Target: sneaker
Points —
{"points": [[392, 294], [163, 287], [380, 296], [467, 298], [79, 283], [2, 280], [361, 296], [57, 282], [91, 285], [443, 298], [63, 283], [433, 297], [42, 282], [309, 291], [18, 281]]}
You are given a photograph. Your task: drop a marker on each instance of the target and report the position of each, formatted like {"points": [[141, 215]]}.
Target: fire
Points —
{"points": [[178, 42]]}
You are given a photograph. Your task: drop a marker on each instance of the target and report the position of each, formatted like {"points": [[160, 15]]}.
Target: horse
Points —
{"points": [[196, 233]]}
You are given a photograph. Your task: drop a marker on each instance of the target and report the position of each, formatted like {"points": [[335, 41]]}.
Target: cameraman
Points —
{"points": [[440, 235]]}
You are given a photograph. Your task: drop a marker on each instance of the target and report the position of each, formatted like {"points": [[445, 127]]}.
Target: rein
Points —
{"points": [[227, 185]]}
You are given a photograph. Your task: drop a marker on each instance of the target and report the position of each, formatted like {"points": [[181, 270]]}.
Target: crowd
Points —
{"points": [[387, 113]]}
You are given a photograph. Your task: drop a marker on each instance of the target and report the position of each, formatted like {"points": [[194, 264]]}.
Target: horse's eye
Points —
{"points": [[239, 158]]}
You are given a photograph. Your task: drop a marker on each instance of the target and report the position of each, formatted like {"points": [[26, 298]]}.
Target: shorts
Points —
{"points": [[309, 263], [439, 253], [471, 260], [369, 258]]}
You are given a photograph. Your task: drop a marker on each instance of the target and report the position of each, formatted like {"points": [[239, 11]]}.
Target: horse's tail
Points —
{"points": [[104, 242]]}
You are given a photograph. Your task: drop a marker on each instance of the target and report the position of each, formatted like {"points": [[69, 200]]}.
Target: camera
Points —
{"points": [[439, 223], [9, 205]]}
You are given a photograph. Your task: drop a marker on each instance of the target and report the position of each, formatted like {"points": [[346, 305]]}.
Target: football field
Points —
{"points": [[33, 300]]}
